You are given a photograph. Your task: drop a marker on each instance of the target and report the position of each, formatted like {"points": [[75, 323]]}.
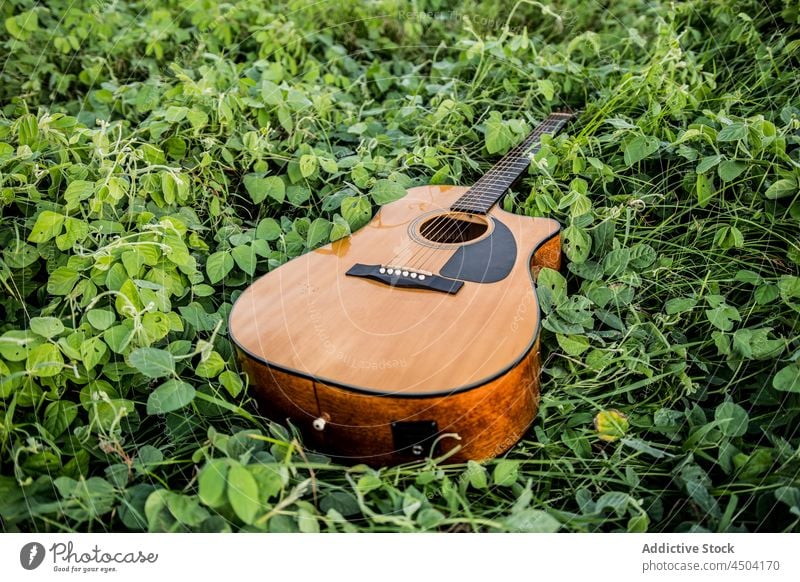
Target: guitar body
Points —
{"points": [[380, 367]]}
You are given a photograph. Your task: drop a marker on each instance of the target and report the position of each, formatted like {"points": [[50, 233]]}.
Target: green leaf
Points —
{"points": [[197, 118], [616, 261], [766, 293], [16, 344], [271, 93], [639, 148], [297, 100], [245, 258], [171, 395], [308, 165], [531, 521], [638, 523], [152, 362], [748, 276], [19, 255], [15, 29], [48, 224], [62, 281], [610, 424], [476, 475], [318, 232], [339, 229], [118, 337], [577, 243], [642, 256], [232, 382], [369, 482], [175, 113], [789, 287], [212, 482], [498, 136], [92, 352], [298, 194], [59, 415], [546, 89], [75, 231], [46, 327], [307, 522], [218, 266], [211, 366], [680, 305], [260, 188], [755, 343], [186, 509], [551, 287], [100, 319], [269, 229], [385, 191], [790, 496], [704, 190], [77, 191], [505, 473], [731, 418], [781, 189], [573, 345], [728, 237], [644, 447], [243, 493], [589, 270], [329, 165], [729, 170], [723, 316], [788, 379], [733, 132], [21, 25], [44, 360], [707, 163], [357, 211]]}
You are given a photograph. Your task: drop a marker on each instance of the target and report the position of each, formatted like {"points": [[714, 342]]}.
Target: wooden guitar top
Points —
{"points": [[310, 319]]}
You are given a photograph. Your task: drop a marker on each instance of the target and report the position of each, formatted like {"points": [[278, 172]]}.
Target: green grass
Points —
{"points": [[155, 157]]}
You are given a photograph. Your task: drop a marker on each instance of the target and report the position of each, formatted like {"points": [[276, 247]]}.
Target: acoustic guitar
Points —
{"points": [[418, 334]]}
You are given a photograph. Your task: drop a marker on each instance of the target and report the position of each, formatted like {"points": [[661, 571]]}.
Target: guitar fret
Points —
{"points": [[494, 183]]}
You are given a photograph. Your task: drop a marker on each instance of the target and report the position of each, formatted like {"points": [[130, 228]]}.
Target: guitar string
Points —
{"points": [[546, 126], [482, 188], [479, 192], [484, 194], [437, 230], [446, 227]]}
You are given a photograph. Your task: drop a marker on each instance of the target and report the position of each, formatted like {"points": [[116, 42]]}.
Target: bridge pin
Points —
{"points": [[382, 270], [405, 273], [422, 277], [413, 275]]}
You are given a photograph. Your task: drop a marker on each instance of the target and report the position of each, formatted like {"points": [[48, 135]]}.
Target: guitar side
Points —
{"points": [[374, 366]]}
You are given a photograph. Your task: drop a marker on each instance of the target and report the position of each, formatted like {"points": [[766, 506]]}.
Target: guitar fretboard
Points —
{"points": [[485, 193]]}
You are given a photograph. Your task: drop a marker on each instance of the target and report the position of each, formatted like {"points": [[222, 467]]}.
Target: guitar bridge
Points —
{"points": [[404, 277]]}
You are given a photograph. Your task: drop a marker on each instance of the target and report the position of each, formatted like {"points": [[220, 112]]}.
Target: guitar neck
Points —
{"points": [[485, 193]]}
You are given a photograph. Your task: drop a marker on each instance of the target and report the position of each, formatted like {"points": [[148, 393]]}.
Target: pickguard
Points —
{"points": [[486, 261]]}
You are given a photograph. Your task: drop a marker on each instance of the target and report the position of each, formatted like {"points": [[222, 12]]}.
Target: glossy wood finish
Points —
{"points": [[361, 355], [483, 422], [309, 318]]}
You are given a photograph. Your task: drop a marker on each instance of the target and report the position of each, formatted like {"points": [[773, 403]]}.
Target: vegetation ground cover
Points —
{"points": [[155, 157]]}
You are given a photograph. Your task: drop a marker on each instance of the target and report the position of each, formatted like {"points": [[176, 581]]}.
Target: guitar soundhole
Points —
{"points": [[453, 228]]}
